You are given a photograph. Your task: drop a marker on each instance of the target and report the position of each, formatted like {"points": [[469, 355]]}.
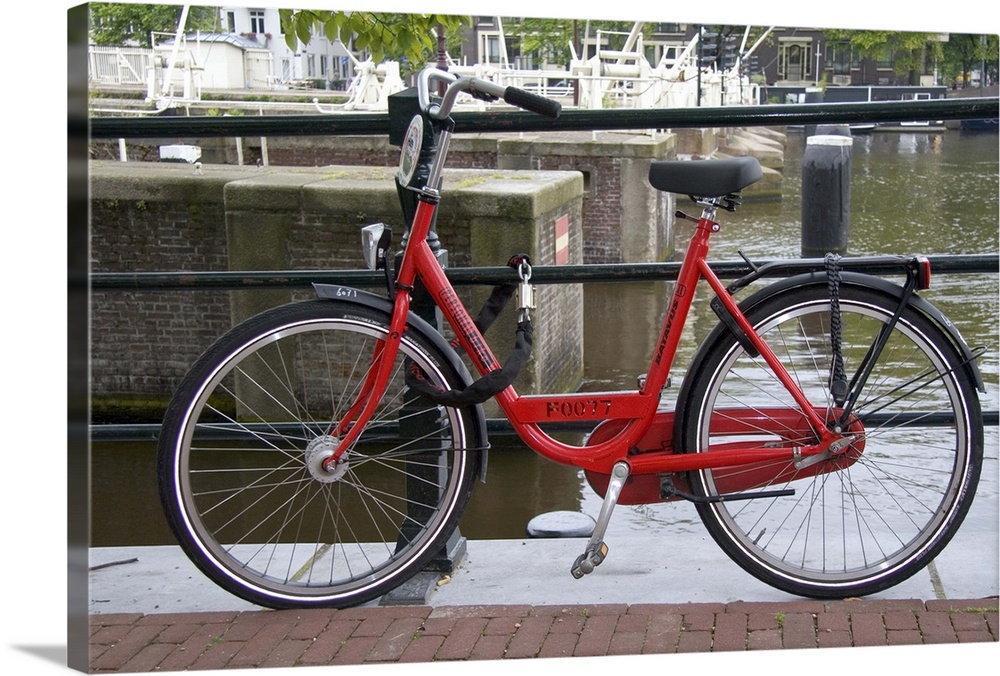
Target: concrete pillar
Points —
{"points": [[154, 216], [625, 219], [485, 217]]}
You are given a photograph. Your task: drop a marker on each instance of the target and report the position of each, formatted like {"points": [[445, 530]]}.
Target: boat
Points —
{"points": [[980, 125]]}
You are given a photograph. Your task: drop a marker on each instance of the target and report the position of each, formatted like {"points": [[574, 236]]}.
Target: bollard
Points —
{"points": [[561, 524], [833, 130], [812, 95], [826, 195]]}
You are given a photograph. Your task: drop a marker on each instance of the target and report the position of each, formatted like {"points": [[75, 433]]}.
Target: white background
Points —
{"points": [[34, 306]]}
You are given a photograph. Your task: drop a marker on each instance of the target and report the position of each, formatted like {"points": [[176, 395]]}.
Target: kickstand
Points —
{"points": [[596, 550]]}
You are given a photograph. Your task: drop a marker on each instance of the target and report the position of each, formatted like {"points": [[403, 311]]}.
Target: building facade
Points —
{"points": [[787, 57], [323, 64]]}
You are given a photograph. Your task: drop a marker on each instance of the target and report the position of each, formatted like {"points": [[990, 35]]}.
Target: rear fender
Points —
{"points": [[820, 279], [885, 286]]}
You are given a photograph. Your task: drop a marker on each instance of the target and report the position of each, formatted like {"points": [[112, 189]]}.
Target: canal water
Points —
{"points": [[930, 192]]}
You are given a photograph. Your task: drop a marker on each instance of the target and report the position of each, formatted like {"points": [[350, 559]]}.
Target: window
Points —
{"points": [[311, 65], [489, 48], [257, 21], [231, 22], [668, 53], [667, 28], [322, 65], [840, 58], [883, 60], [795, 60], [524, 62]]}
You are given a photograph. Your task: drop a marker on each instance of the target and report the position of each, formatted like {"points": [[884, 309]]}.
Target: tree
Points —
{"points": [[910, 51], [118, 24], [402, 37], [966, 52], [549, 37]]}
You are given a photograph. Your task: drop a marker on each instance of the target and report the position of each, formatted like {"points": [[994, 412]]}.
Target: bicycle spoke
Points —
{"points": [[260, 505], [863, 518]]}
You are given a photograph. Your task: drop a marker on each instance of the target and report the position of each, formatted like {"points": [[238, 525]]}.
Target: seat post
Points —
{"points": [[710, 207]]}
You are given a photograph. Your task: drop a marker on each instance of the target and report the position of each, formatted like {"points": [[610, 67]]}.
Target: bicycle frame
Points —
{"points": [[319, 516], [527, 413]]}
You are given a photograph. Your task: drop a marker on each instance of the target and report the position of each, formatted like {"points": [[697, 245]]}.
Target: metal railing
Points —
{"points": [[551, 274], [510, 121], [570, 120], [541, 274]]}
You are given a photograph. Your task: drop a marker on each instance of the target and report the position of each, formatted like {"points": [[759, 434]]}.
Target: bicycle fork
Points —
{"points": [[354, 421]]}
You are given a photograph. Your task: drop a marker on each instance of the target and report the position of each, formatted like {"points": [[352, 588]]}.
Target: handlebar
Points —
{"points": [[479, 88], [532, 102]]}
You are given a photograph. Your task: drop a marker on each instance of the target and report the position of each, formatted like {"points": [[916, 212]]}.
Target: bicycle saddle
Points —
{"points": [[704, 178]]}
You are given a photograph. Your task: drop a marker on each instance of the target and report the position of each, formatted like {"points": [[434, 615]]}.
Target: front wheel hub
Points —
{"points": [[317, 452]]}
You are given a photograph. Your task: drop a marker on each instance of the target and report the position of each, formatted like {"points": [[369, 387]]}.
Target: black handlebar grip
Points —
{"points": [[533, 102]]}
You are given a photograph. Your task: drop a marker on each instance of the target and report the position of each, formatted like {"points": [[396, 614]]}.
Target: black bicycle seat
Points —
{"points": [[704, 178]]}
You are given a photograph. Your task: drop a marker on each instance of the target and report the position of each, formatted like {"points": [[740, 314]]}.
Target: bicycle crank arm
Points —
{"points": [[668, 491], [596, 550]]}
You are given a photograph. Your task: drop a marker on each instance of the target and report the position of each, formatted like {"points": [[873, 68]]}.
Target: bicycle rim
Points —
{"points": [[860, 526], [254, 509]]}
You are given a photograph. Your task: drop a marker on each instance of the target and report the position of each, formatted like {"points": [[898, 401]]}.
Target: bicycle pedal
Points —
{"points": [[590, 559]]}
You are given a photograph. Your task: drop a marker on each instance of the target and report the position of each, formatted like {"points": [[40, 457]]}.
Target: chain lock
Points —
{"points": [[525, 290], [838, 379]]}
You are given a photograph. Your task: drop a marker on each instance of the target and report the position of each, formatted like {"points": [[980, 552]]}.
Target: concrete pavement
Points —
{"points": [[658, 554], [665, 587]]}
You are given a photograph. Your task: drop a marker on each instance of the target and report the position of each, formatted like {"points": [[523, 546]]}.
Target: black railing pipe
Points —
{"points": [[562, 274], [542, 274], [570, 120], [150, 432]]}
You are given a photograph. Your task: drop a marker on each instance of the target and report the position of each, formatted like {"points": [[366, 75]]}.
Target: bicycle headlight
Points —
{"points": [[373, 248]]}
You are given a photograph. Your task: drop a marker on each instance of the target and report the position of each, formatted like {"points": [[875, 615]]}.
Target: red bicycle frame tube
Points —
{"points": [[528, 413]]}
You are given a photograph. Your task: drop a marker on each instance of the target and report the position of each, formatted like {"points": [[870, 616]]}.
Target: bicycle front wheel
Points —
{"points": [[861, 521], [240, 460]]}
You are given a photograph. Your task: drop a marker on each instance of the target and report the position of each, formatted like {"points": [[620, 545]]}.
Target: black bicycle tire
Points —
{"points": [[176, 502], [720, 348]]}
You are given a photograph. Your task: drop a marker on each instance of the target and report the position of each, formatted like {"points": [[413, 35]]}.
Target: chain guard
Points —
{"points": [[643, 489]]}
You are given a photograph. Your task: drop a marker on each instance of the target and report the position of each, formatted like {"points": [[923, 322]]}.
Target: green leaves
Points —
{"points": [[908, 50], [401, 37], [116, 24], [297, 26], [962, 54]]}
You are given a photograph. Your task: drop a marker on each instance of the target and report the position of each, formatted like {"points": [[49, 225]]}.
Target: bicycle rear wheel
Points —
{"points": [[244, 438], [872, 517]]}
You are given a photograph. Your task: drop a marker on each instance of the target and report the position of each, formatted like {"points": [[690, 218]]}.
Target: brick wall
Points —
{"points": [[157, 217], [128, 328], [599, 159], [602, 207]]}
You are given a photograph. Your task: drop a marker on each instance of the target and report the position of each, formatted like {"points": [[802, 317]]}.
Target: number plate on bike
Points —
{"points": [[412, 143]]}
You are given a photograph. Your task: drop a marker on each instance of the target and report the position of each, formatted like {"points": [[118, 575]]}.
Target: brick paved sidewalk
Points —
{"points": [[138, 643]]}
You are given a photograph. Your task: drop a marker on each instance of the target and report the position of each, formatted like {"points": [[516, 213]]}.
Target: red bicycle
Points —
{"points": [[828, 429]]}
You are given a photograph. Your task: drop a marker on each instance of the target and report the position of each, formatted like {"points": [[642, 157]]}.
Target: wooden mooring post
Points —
{"points": [[826, 191]]}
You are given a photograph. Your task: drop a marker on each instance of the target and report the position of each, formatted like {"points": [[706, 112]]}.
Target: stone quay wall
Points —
{"points": [[624, 219], [166, 217]]}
